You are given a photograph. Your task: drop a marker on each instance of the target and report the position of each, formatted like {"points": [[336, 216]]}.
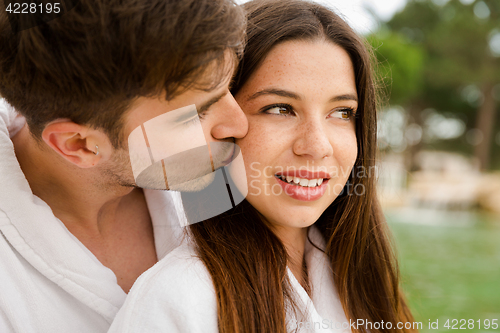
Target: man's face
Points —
{"points": [[179, 129]]}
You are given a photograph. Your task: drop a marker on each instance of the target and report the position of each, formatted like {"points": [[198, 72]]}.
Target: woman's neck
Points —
{"points": [[294, 240]]}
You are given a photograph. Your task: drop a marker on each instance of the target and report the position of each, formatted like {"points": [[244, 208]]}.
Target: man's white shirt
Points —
{"points": [[50, 282]]}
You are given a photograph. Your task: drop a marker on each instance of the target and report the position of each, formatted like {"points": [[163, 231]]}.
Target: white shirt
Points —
{"points": [[177, 296], [50, 282]]}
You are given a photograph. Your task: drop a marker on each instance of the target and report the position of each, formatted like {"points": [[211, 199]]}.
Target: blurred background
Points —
{"points": [[439, 137], [439, 134]]}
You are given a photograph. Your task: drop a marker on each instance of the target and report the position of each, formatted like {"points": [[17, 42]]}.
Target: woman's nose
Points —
{"points": [[313, 140]]}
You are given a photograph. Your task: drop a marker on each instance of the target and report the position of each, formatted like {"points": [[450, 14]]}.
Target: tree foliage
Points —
{"points": [[440, 54]]}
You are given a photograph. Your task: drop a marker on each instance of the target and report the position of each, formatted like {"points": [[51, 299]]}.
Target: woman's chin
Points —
{"points": [[288, 215], [299, 223]]}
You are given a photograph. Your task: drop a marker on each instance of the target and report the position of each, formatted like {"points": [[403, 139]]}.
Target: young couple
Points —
{"points": [[302, 251]]}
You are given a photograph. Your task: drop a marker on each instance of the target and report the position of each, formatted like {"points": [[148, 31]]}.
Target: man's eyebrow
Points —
{"points": [[205, 106], [272, 91], [346, 97], [187, 116]]}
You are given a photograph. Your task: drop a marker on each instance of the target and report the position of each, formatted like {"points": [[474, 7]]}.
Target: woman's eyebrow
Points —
{"points": [[278, 92], [346, 97], [289, 94]]}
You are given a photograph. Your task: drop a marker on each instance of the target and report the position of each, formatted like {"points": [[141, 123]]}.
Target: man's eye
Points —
{"points": [[280, 110], [193, 120]]}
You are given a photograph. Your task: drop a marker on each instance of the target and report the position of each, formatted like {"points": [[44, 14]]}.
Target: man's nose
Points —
{"points": [[231, 121]]}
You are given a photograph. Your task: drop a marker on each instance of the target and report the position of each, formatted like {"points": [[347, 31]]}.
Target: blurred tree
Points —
{"points": [[401, 73], [457, 40], [402, 62]]}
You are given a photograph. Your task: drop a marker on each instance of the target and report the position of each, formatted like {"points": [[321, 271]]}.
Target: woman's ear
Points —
{"points": [[77, 144]]}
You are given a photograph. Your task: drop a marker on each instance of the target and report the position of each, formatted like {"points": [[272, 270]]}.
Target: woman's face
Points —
{"points": [[301, 143]]}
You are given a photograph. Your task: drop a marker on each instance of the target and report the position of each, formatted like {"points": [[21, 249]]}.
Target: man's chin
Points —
{"points": [[194, 185]]}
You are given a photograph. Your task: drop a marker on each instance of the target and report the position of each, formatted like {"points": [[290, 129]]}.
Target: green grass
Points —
{"points": [[450, 269]]}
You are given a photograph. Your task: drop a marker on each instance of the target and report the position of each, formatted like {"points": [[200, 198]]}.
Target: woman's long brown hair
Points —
{"points": [[247, 261]]}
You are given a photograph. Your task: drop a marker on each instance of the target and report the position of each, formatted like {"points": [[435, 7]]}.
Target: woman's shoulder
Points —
{"points": [[182, 265], [175, 295]]}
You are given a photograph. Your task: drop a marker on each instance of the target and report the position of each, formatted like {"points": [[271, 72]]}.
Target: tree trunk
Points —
{"points": [[415, 117], [485, 123]]}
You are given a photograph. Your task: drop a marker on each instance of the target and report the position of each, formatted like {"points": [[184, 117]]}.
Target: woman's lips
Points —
{"points": [[305, 174], [303, 193]]}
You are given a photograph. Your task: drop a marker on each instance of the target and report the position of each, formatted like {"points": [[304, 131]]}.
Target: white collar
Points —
{"points": [[31, 228], [323, 311]]}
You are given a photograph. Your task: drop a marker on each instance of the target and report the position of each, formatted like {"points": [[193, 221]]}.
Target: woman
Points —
{"points": [[308, 249]]}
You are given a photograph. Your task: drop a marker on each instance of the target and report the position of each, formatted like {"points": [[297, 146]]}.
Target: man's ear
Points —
{"points": [[78, 144]]}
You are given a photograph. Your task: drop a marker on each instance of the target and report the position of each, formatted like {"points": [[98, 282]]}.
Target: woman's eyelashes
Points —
{"points": [[285, 110], [279, 110], [343, 113]]}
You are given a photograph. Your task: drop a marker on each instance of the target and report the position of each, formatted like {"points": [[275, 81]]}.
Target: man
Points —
{"points": [[76, 230]]}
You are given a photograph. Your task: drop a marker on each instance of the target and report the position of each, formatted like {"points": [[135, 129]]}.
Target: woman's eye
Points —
{"points": [[279, 110], [345, 114]]}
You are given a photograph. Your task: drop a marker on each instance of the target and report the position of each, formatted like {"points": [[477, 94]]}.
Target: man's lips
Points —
{"points": [[228, 156], [304, 174], [231, 156]]}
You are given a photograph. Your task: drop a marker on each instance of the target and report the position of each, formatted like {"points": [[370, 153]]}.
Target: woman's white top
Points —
{"points": [[177, 295]]}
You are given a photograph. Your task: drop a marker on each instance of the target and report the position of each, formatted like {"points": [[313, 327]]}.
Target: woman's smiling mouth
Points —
{"points": [[303, 185]]}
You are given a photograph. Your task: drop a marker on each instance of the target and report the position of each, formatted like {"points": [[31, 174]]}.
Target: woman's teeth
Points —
{"points": [[301, 181]]}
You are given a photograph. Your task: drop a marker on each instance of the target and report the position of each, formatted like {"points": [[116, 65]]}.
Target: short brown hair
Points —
{"points": [[90, 64]]}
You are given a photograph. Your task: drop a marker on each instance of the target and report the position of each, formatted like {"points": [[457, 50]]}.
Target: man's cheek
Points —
{"points": [[155, 145]]}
